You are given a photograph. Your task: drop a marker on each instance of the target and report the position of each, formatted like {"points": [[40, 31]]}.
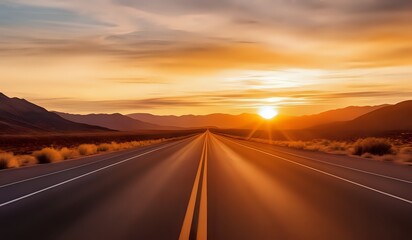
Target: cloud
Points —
{"points": [[224, 34], [130, 45], [135, 80], [290, 101]]}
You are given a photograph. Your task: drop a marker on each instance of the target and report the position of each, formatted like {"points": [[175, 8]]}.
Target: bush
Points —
{"points": [[48, 155], [25, 160], [87, 149], [375, 146], [406, 150], [337, 146], [296, 144], [405, 155], [104, 147], [68, 153], [8, 160]]}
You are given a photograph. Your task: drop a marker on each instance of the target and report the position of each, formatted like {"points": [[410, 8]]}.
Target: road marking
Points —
{"points": [[188, 220], [202, 223], [329, 174], [350, 168], [78, 177], [354, 169], [68, 169]]}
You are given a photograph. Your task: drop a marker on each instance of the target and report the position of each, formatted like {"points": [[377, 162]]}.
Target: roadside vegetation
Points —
{"points": [[382, 149], [52, 155]]}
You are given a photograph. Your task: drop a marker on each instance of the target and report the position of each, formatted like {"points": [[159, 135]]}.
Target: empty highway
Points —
{"points": [[208, 186]]}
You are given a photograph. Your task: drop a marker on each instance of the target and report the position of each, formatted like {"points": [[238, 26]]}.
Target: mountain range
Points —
{"points": [[114, 121], [216, 120], [247, 120], [18, 116], [396, 117], [336, 115]]}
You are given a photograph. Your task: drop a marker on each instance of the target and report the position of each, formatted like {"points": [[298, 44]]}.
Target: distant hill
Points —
{"points": [[336, 115], [249, 121], [18, 116], [218, 120], [114, 121], [396, 117]]}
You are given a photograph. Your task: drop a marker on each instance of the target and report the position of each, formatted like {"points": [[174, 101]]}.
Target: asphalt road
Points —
{"points": [[208, 187]]}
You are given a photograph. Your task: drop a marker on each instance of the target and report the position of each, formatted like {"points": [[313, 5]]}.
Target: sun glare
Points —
{"points": [[268, 112]]}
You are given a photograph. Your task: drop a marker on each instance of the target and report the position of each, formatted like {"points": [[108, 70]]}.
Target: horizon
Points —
{"points": [[280, 114], [200, 58], [237, 114]]}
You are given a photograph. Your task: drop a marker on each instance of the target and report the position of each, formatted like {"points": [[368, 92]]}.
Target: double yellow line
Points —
{"points": [[201, 233]]}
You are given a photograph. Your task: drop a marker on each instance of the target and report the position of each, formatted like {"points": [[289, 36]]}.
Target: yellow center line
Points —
{"points": [[187, 222], [202, 223]]}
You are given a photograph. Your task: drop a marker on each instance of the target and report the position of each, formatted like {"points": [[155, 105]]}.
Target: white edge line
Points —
{"points": [[354, 169], [338, 165], [75, 178], [68, 169], [329, 174]]}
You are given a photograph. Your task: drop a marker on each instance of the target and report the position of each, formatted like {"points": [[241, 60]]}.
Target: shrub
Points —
{"points": [[406, 150], [325, 142], [313, 146], [69, 153], [104, 147], [48, 155], [337, 146], [375, 146], [87, 149], [25, 160], [8, 160], [296, 144], [115, 146], [405, 155]]}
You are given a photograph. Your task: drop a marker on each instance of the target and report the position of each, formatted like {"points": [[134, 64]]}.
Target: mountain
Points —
{"points": [[18, 116], [249, 121], [336, 115], [396, 117], [219, 120], [114, 121]]}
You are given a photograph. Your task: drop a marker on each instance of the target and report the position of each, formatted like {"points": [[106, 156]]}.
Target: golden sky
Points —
{"points": [[199, 57]]}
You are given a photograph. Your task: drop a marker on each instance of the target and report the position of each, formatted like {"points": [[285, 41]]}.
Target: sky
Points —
{"points": [[199, 57]]}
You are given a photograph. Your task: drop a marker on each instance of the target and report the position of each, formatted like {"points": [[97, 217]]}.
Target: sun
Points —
{"points": [[268, 112]]}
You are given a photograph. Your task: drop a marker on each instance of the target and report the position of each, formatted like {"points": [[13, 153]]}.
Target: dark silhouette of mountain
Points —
{"points": [[114, 121], [18, 116], [396, 117], [250, 121], [336, 115], [218, 120]]}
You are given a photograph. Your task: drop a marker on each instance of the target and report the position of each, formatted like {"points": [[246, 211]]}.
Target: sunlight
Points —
{"points": [[268, 112]]}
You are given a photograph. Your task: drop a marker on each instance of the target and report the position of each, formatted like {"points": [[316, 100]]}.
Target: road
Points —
{"points": [[208, 187]]}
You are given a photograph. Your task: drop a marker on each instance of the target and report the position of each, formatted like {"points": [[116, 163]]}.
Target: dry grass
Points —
{"points": [[69, 153], [8, 160], [51, 155], [381, 149], [26, 160], [405, 154], [87, 149], [48, 155], [375, 146], [105, 147]]}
